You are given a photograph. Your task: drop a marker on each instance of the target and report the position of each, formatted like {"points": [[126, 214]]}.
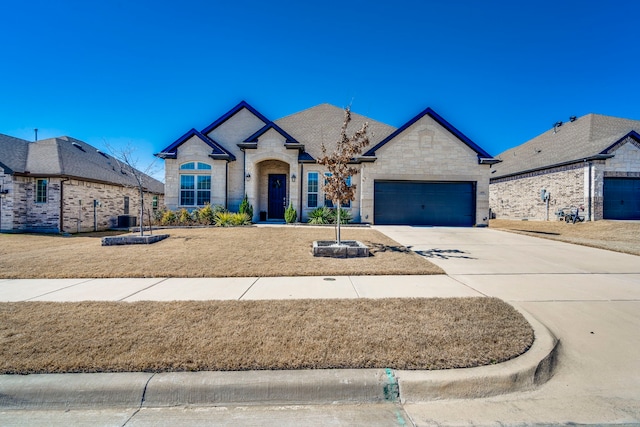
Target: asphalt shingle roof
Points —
{"points": [[66, 156], [322, 124], [13, 153], [581, 139]]}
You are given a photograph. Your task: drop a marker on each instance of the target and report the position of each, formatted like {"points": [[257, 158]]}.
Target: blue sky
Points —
{"points": [[144, 72]]}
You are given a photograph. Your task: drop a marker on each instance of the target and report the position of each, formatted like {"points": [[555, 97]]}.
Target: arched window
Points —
{"points": [[195, 187]]}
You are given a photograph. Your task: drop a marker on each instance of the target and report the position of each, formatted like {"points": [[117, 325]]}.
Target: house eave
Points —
{"points": [[363, 159], [226, 157], [570, 162], [488, 161]]}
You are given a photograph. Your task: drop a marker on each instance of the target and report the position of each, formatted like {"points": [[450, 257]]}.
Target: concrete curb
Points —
{"points": [[533, 368], [139, 389]]}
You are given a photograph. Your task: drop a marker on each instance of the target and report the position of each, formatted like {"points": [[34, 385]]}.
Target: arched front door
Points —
{"points": [[277, 195]]}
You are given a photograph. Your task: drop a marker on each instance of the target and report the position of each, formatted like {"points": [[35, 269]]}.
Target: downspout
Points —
{"points": [[244, 172], [226, 185], [62, 181], [589, 196], [301, 187]]}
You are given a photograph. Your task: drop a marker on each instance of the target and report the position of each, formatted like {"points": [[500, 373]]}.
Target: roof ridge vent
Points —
{"points": [[78, 146]]}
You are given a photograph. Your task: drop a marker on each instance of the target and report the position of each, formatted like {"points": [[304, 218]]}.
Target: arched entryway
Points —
{"points": [[273, 189]]}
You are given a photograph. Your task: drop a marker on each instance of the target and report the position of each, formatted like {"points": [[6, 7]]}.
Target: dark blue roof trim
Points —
{"points": [[231, 113], [633, 134], [435, 116], [218, 150], [288, 138], [305, 157]]}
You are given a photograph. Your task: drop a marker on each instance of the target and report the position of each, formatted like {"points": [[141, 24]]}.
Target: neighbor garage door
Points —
{"points": [[622, 198], [424, 203]]}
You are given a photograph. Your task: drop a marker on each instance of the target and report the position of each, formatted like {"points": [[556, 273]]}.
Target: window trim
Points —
{"points": [[315, 193], [328, 202], [197, 194], [38, 196]]}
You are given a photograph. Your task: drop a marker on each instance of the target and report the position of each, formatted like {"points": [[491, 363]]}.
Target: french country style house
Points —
{"points": [[590, 163], [424, 173], [66, 185]]}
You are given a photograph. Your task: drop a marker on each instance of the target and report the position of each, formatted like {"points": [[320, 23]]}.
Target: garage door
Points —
{"points": [[424, 203], [621, 198]]}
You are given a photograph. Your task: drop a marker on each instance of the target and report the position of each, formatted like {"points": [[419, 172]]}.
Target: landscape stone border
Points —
{"points": [[133, 239], [346, 249]]}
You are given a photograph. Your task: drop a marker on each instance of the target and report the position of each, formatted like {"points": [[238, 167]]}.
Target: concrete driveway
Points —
{"points": [[589, 298]]}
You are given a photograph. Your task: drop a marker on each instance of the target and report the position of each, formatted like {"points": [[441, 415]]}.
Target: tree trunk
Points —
{"points": [[141, 212], [338, 223]]}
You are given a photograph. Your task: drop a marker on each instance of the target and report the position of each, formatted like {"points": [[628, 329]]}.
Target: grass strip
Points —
{"points": [[46, 337]]}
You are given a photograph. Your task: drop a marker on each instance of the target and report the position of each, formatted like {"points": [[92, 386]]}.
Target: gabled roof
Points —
{"points": [[321, 125], [13, 154], [70, 157], [218, 151], [231, 113], [633, 135], [483, 155], [591, 136], [288, 138]]}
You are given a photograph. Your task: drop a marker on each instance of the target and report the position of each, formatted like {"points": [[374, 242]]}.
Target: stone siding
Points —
{"points": [[229, 134], [425, 152], [271, 157], [6, 201], [579, 184], [20, 212]]}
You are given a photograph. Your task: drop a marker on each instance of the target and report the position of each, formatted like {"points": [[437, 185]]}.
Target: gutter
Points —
{"points": [[570, 162]]}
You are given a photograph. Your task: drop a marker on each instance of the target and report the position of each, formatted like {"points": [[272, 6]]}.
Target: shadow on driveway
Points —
{"points": [[444, 254]]}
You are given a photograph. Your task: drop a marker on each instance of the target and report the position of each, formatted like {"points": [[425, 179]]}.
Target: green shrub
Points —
{"points": [[345, 216], [168, 218], [321, 215], [206, 215], [290, 214], [325, 215], [184, 217], [240, 219], [222, 219], [245, 207]]}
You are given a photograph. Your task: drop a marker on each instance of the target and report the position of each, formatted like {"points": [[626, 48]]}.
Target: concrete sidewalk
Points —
{"points": [[588, 298], [243, 288]]}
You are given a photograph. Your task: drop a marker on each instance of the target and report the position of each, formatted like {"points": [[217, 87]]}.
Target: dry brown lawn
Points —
{"points": [[205, 252], [619, 236], [43, 337]]}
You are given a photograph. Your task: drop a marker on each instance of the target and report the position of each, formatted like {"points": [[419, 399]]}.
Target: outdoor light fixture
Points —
{"points": [[293, 177], [248, 176]]}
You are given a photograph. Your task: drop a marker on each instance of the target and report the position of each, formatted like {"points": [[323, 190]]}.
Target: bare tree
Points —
{"points": [[128, 165], [339, 165]]}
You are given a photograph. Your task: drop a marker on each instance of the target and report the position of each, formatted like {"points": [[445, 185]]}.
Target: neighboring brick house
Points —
{"points": [[66, 185], [424, 173], [591, 162]]}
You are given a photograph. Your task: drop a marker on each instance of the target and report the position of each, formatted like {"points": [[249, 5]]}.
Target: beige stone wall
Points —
{"points": [[6, 201], [271, 156], [20, 212], [194, 150], [626, 158], [521, 198], [79, 206], [426, 152], [579, 184], [236, 130]]}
